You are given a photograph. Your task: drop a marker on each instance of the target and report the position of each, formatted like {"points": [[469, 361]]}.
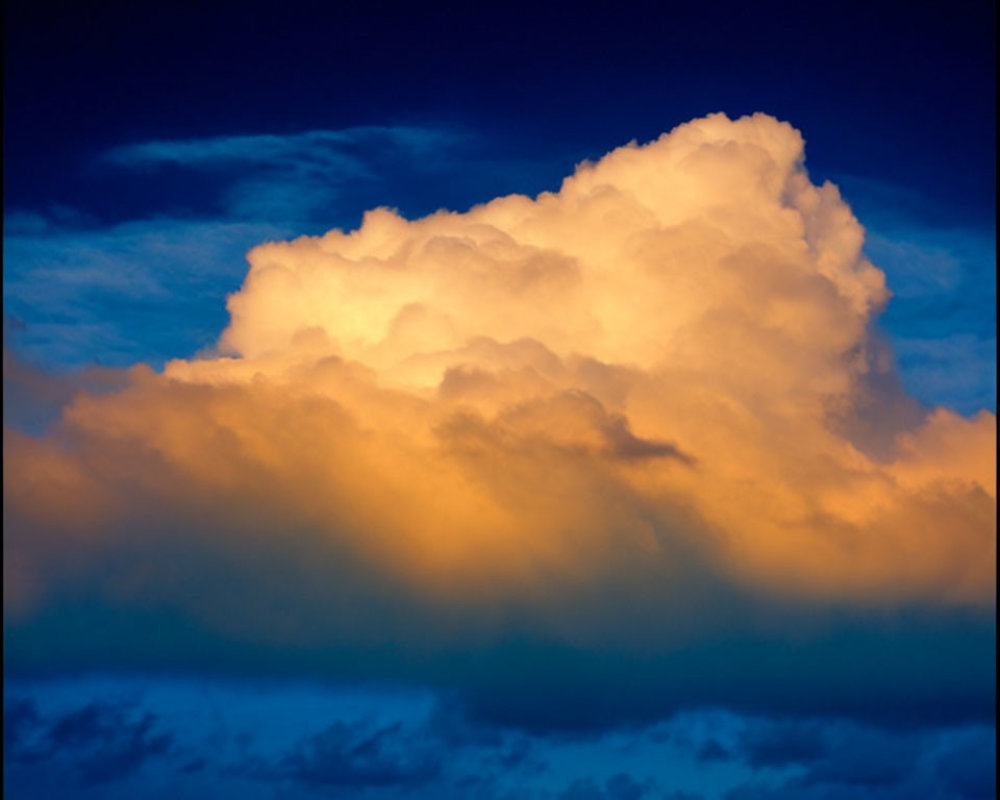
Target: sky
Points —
{"points": [[521, 402]]}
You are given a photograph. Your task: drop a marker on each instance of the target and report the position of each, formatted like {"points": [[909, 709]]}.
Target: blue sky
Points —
{"points": [[148, 149]]}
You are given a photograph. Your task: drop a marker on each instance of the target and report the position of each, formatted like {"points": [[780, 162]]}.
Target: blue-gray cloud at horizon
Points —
{"points": [[111, 736]]}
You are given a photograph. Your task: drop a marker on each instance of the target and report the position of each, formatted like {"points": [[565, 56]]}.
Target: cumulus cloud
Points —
{"points": [[643, 411]]}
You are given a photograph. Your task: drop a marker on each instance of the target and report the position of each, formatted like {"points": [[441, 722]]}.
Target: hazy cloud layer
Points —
{"points": [[642, 417], [156, 737], [101, 742], [140, 290], [943, 314]]}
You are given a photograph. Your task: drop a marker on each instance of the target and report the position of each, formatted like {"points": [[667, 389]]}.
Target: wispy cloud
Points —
{"points": [[942, 314], [298, 176], [330, 150], [959, 368], [137, 291]]}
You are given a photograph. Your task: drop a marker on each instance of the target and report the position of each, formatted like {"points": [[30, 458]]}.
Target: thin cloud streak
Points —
{"points": [[324, 148]]}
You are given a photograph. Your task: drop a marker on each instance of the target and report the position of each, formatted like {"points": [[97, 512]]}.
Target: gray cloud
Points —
{"points": [[102, 742]]}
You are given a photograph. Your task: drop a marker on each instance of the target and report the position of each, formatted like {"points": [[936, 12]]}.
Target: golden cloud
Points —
{"points": [[666, 366]]}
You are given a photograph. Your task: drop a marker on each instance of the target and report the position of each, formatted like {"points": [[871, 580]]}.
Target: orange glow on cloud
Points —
{"points": [[671, 354]]}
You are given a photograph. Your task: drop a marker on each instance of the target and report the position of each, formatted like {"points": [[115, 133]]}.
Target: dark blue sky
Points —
{"points": [[148, 146], [900, 93]]}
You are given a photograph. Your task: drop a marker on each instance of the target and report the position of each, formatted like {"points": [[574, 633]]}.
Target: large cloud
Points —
{"points": [[646, 412]]}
